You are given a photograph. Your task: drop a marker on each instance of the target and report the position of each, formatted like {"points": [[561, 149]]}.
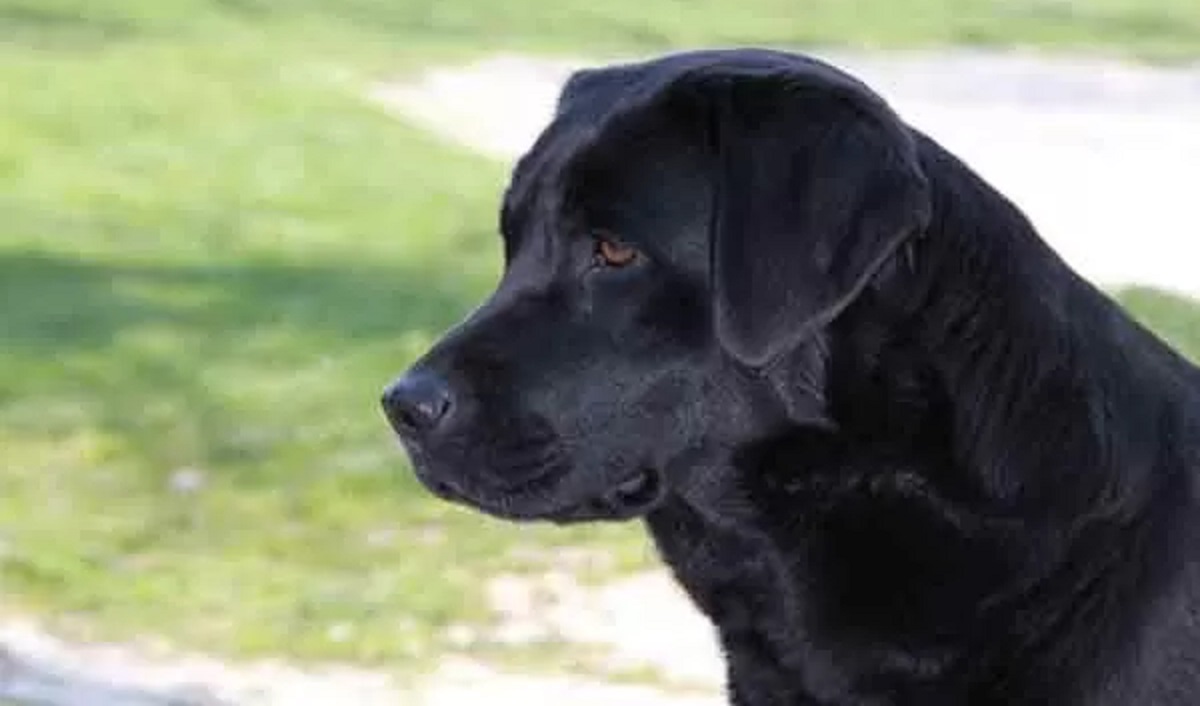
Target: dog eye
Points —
{"points": [[609, 252]]}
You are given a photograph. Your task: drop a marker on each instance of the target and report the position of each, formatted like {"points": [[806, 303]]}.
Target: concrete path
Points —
{"points": [[1103, 156]]}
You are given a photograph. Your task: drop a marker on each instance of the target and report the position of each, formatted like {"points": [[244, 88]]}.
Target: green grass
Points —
{"points": [[212, 263], [213, 254], [1156, 28], [1176, 319]]}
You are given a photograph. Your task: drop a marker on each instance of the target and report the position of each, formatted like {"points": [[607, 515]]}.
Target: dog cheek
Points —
{"points": [[669, 414], [678, 312]]}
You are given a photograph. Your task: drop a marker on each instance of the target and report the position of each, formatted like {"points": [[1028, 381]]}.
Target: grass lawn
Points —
{"points": [[211, 260], [214, 252]]}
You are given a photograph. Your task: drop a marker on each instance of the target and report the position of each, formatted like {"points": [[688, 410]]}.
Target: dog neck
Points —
{"points": [[1019, 406], [984, 510], [1018, 353]]}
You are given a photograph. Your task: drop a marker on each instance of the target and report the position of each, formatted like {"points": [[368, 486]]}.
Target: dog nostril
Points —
{"points": [[417, 402]]}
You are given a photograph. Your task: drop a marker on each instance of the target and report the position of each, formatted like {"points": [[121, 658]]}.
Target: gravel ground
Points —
{"points": [[1105, 157], [639, 622], [38, 669]]}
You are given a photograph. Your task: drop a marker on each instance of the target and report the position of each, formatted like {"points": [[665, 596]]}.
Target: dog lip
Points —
{"points": [[632, 485], [632, 497], [642, 488], [440, 487], [635, 495]]}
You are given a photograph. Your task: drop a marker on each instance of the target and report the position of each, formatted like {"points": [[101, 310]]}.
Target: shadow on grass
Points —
{"points": [[62, 26], [263, 366], [57, 304]]}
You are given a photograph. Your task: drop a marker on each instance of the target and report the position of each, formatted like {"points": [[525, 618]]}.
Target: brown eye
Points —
{"points": [[611, 253]]}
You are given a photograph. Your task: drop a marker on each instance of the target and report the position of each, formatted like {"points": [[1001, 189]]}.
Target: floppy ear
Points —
{"points": [[816, 181], [817, 187]]}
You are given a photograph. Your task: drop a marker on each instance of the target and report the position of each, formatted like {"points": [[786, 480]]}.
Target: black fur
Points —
{"points": [[888, 441]]}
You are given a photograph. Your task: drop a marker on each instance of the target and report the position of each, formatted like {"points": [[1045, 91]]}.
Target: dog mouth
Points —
{"points": [[638, 491], [634, 496]]}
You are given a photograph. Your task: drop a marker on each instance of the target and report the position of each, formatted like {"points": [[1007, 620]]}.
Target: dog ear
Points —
{"points": [[816, 190], [815, 181]]}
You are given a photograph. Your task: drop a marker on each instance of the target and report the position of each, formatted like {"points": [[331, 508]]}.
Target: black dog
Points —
{"points": [[890, 443]]}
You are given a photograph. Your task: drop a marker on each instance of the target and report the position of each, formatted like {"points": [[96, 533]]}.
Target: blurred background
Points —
{"points": [[226, 224]]}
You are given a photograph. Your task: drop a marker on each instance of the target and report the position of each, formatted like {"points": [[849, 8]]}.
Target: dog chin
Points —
{"points": [[634, 497], [631, 498]]}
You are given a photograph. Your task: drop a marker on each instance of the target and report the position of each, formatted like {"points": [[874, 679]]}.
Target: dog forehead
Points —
{"points": [[594, 100], [598, 93]]}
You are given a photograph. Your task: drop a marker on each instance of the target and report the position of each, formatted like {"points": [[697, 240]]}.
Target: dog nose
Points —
{"points": [[418, 402]]}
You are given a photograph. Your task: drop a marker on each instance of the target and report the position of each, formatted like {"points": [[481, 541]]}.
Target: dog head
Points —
{"points": [[680, 226]]}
